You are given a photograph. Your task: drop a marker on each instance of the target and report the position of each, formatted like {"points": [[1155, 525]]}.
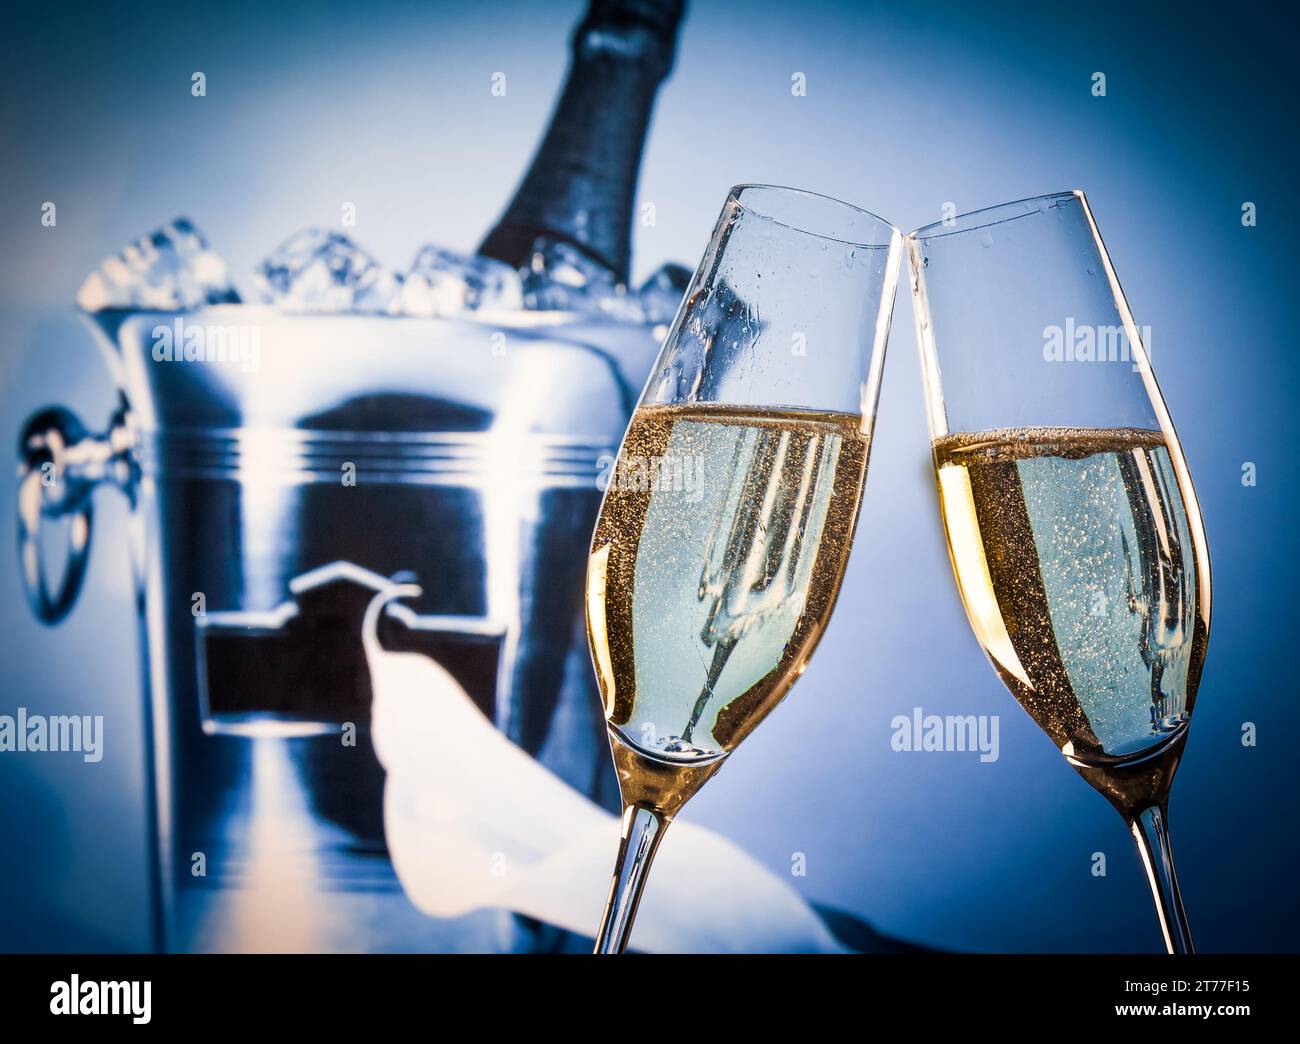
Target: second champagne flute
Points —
{"points": [[1072, 523], [728, 518]]}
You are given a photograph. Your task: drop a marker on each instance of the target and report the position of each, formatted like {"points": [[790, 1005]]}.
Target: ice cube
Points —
{"points": [[561, 277], [444, 283], [662, 293], [172, 269], [321, 271]]}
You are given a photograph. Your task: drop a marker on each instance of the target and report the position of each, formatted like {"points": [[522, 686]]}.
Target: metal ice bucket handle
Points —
{"points": [[59, 466]]}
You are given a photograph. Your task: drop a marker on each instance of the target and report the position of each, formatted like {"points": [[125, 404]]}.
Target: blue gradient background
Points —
{"points": [[388, 105]]}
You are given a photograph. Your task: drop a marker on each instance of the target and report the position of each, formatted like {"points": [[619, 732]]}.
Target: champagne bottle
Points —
{"points": [[582, 182]]}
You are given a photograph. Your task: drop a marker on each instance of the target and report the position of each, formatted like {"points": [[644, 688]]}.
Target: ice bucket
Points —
{"points": [[282, 468]]}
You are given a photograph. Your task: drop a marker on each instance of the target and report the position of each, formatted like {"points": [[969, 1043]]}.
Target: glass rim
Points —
{"points": [[891, 231], [985, 217]]}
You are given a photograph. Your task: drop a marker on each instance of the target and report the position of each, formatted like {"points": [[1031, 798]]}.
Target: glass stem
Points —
{"points": [[1151, 832], [642, 831]]}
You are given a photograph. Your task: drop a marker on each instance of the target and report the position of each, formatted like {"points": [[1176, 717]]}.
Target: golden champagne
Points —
{"points": [[714, 567], [1084, 576]]}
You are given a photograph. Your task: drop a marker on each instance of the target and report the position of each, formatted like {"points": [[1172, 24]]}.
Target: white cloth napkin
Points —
{"points": [[472, 821]]}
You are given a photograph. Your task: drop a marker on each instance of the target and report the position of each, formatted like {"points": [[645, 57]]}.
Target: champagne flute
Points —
{"points": [[1072, 523], [727, 520]]}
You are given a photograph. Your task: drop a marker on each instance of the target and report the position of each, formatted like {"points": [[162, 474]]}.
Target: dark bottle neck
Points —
{"points": [[582, 182]]}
